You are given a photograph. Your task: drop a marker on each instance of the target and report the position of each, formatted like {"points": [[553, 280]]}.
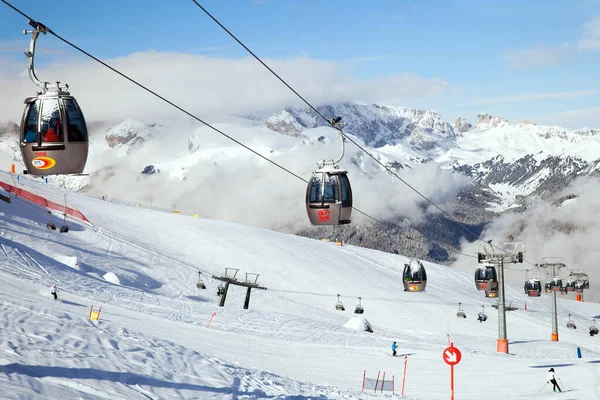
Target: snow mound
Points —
{"points": [[71, 261], [359, 324], [112, 278]]}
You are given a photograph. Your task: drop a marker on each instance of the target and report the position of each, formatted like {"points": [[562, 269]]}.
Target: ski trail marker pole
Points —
{"points": [[211, 318], [404, 377]]}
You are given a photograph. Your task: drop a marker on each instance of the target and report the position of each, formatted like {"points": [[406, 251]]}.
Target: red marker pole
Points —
{"points": [[451, 356], [211, 318], [404, 377]]}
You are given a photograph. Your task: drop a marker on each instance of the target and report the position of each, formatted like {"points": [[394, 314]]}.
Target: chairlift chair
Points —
{"points": [[481, 317], [359, 308], [571, 324], [339, 306], [460, 313], [220, 290], [64, 228], [50, 225], [593, 328], [200, 284], [484, 274], [414, 276]]}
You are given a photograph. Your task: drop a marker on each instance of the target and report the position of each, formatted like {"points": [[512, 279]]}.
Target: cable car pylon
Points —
{"points": [[556, 283], [513, 252]]}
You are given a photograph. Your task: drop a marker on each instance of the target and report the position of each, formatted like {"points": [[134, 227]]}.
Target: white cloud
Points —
{"points": [[591, 35], [529, 97], [540, 56], [230, 183], [208, 86]]}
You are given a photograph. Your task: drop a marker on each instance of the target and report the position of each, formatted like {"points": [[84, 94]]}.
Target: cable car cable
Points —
{"points": [[451, 217], [209, 125]]}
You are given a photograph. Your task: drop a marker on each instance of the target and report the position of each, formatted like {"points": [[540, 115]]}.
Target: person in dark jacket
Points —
{"points": [[552, 380], [394, 347]]}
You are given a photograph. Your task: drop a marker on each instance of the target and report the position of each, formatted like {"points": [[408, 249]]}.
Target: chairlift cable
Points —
{"points": [[448, 215]]}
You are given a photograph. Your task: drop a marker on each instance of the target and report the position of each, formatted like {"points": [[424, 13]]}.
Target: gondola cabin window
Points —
{"points": [[346, 191], [51, 124], [75, 122], [31, 124], [330, 192], [315, 189]]}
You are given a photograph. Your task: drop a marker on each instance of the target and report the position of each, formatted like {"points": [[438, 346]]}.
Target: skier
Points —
{"points": [[54, 292], [394, 347], [552, 379]]}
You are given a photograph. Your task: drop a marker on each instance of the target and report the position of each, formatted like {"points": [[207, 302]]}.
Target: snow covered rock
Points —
{"points": [[112, 278], [359, 324]]}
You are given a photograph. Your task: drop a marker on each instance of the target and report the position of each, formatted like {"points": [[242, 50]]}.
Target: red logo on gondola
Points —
{"points": [[324, 215], [413, 288], [484, 285], [43, 162]]}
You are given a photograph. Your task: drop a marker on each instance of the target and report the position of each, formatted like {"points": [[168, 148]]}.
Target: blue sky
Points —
{"points": [[521, 59]]}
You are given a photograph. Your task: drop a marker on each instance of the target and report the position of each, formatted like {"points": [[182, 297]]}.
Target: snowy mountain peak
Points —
{"points": [[462, 125], [128, 132], [284, 123], [486, 121]]}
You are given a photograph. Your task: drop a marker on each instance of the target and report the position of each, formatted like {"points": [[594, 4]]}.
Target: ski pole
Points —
{"points": [[543, 387], [561, 384]]}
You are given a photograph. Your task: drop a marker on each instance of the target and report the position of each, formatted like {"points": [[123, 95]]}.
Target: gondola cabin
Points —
{"points": [[485, 275], [492, 290], [556, 284], [53, 137], [414, 276], [533, 288], [578, 287], [548, 287], [570, 285], [586, 284], [329, 197]]}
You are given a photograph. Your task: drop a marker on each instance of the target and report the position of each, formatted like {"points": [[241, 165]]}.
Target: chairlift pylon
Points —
{"points": [[339, 306], [359, 308]]}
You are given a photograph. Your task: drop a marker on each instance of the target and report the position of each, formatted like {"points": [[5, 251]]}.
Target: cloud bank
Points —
{"points": [[207, 86]]}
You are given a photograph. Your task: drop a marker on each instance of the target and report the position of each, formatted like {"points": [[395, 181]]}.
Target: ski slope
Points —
{"points": [[152, 340]]}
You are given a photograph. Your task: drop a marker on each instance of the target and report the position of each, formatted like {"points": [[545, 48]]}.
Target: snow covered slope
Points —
{"points": [[152, 339]]}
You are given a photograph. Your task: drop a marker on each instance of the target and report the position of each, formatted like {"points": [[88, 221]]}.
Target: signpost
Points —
{"points": [[451, 356]]}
